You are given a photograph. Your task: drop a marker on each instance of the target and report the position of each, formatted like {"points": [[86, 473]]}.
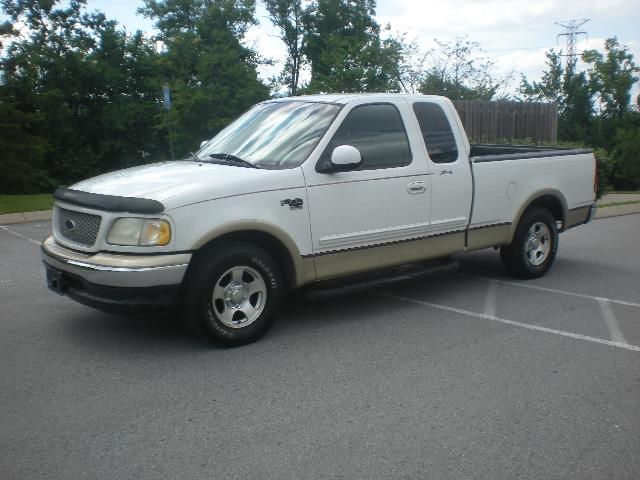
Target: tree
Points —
{"points": [[23, 152], [612, 128], [287, 16], [213, 77], [570, 90], [412, 60], [612, 76], [81, 90], [627, 158], [345, 49], [458, 71]]}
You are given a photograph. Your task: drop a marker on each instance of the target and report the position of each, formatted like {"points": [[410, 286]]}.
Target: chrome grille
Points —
{"points": [[78, 227]]}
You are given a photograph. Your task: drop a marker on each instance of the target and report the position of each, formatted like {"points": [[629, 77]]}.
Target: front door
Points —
{"points": [[378, 214]]}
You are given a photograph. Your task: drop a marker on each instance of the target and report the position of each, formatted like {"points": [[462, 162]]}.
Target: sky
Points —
{"points": [[515, 34]]}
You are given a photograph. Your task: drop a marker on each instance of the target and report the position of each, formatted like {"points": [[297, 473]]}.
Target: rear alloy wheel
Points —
{"points": [[538, 244], [534, 245], [233, 294]]}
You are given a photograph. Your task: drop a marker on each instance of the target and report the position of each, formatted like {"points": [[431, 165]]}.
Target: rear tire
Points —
{"points": [[534, 245], [233, 294]]}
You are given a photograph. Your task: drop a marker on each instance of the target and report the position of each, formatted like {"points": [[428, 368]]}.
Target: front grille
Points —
{"points": [[78, 227]]}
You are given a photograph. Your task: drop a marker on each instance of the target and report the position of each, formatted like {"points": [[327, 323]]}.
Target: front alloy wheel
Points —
{"points": [[239, 297], [232, 294]]}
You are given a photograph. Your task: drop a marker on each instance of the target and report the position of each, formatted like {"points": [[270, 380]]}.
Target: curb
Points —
{"points": [[10, 218], [617, 211]]}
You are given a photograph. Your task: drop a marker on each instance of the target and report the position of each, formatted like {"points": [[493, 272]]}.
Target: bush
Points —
{"points": [[626, 154], [23, 153], [606, 166]]}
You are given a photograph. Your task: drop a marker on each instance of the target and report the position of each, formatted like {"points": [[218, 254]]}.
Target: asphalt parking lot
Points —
{"points": [[467, 375]]}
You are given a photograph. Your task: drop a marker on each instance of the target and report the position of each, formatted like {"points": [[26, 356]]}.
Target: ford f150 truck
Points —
{"points": [[306, 191]]}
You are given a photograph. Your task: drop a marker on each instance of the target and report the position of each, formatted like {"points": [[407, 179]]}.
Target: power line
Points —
{"points": [[572, 33]]}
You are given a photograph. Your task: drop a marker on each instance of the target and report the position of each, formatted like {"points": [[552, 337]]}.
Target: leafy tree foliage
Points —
{"points": [[287, 16], [570, 90], [345, 49], [81, 87], [626, 154], [212, 76], [23, 152], [79, 95], [595, 107], [612, 75], [458, 70], [412, 64]]}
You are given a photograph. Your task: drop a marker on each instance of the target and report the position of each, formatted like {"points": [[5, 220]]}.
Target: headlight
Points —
{"points": [[144, 232]]}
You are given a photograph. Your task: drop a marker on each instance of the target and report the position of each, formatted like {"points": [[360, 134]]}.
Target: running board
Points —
{"points": [[382, 278]]}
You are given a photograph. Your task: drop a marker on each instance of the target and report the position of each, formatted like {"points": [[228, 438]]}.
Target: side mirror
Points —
{"points": [[203, 143], [344, 158]]}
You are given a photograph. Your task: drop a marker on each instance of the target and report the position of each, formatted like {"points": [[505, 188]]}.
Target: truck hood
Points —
{"points": [[180, 183]]}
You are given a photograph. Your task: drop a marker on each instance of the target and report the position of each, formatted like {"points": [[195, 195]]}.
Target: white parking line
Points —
{"points": [[551, 290], [491, 300], [513, 323], [18, 234], [612, 321]]}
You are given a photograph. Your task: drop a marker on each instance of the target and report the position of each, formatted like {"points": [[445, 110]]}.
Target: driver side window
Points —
{"points": [[378, 132]]}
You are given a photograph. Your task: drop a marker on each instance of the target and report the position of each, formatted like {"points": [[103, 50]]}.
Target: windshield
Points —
{"points": [[272, 135]]}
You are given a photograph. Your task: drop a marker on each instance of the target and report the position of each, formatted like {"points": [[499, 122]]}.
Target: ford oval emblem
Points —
{"points": [[69, 224]]}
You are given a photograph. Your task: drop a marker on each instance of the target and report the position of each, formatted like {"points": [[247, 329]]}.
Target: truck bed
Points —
{"points": [[507, 177], [495, 153]]}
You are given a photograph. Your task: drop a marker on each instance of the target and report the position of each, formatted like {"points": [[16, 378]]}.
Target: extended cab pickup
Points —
{"points": [[305, 191]]}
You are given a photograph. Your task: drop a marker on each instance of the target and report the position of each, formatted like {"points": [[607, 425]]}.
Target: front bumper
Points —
{"points": [[115, 282]]}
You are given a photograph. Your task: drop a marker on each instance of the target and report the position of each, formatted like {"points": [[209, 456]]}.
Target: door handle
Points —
{"points": [[418, 186]]}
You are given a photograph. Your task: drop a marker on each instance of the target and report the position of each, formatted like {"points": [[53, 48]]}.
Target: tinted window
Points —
{"points": [[378, 132], [437, 133]]}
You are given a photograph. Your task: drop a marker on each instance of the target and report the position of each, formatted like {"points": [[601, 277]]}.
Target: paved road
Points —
{"points": [[469, 375]]}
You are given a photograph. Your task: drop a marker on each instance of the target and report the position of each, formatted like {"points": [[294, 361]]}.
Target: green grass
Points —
{"points": [[25, 203], [624, 192], [616, 204]]}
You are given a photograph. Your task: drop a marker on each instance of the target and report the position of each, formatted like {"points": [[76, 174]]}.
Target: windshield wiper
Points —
{"points": [[229, 158]]}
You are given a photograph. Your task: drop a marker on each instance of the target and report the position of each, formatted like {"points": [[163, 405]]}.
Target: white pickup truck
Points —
{"points": [[310, 192]]}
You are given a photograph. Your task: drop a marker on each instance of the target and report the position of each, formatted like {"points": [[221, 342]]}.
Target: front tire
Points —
{"points": [[233, 294], [534, 245]]}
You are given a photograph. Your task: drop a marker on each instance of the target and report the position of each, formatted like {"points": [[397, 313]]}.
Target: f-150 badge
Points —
{"points": [[294, 203]]}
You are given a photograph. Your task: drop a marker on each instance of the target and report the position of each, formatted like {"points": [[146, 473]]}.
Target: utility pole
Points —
{"points": [[166, 94], [572, 33]]}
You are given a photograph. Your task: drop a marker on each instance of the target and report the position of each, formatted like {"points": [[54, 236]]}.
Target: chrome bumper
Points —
{"points": [[117, 270]]}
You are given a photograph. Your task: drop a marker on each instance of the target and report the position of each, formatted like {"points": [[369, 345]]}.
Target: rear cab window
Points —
{"points": [[377, 130], [437, 132]]}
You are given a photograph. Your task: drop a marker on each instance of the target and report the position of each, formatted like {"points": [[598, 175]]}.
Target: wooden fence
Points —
{"points": [[488, 122]]}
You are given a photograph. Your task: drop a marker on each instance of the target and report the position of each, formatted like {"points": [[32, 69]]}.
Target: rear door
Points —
{"points": [[451, 182], [378, 214]]}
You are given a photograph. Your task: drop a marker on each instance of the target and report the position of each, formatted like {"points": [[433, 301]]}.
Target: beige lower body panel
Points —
{"points": [[306, 272], [349, 262], [486, 237], [577, 216]]}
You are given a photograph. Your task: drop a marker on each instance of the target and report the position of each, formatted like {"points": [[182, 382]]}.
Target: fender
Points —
{"points": [[304, 268], [547, 192]]}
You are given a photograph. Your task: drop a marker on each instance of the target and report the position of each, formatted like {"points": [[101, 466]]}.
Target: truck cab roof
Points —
{"points": [[344, 98]]}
